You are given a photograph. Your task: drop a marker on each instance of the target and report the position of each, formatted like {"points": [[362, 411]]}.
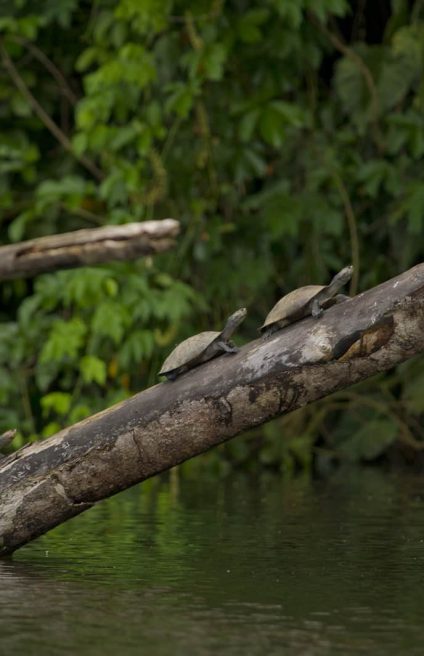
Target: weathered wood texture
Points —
{"points": [[48, 482], [86, 247]]}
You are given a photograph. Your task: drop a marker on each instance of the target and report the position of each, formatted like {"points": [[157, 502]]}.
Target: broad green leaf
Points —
{"points": [[247, 124], [249, 27], [64, 341], [93, 369], [291, 11], [350, 86], [414, 208], [214, 60], [138, 347], [51, 428], [272, 127], [79, 412], [110, 320], [397, 77], [370, 441], [413, 392], [372, 175], [18, 226], [180, 99], [59, 402]]}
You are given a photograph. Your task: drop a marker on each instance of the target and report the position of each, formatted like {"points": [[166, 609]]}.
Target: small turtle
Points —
{"points": [[202, 347], [6, 439], [300, 303]]}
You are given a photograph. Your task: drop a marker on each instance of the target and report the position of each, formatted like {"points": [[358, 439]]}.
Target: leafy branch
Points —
{"points": [[43, 116], [50, 66], [349, 53]]}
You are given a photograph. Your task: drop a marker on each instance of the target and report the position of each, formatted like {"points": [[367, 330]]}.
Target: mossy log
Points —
{"points": [[48, 482], [86, 247]]}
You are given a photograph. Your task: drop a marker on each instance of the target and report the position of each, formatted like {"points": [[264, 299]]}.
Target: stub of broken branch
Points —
{"points": [[86, 247], [7, 438], [48, 482]]}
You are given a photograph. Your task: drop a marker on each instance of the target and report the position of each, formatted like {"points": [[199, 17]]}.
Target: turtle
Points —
{"points": [[301, 302], [6, 439], [202, 347]]}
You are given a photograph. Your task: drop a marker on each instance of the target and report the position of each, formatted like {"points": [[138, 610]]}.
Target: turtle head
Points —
{"points": [[233, 321], [343, 276]]}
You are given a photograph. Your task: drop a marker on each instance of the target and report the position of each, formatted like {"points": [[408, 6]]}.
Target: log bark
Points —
{"points": [[48, 482], [86, 247]]}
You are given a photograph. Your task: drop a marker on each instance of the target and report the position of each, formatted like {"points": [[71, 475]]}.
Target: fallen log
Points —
{"points": [[48, 482], [86, 247]]}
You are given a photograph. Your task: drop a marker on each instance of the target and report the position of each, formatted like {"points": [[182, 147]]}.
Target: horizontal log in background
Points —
{"points": [[86, 247]]}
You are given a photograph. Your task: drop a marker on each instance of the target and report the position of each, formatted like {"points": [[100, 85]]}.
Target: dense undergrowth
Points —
{"points": [[287, 136]]}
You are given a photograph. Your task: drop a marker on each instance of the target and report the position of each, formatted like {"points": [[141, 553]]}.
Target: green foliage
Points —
{"points": [[370, 440], [251, 123]]}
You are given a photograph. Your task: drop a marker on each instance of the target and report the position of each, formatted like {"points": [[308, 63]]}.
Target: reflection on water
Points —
{"points": [[244, 566]]}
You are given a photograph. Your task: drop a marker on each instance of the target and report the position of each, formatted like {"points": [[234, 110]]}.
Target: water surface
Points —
{"points": [[241, 566]]}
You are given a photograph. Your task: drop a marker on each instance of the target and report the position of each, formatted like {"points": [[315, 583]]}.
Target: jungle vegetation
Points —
{"points": [[287, 136]]}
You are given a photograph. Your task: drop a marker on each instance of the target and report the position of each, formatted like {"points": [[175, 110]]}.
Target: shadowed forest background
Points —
{"points": [[286, 136]]}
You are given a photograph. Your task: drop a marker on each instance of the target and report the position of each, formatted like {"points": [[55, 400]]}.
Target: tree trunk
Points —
{"points": [[48, 482], [86, 247]]}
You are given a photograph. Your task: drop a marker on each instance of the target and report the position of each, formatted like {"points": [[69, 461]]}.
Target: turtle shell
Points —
{"points": [[190, 349], [288, 307]]}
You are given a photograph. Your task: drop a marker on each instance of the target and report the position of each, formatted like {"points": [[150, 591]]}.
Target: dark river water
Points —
{"points": [[235, 566]]}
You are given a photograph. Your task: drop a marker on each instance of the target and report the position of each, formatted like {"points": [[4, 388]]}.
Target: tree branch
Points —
{"points": [[44, 117], [50, 67], [349, 53], [86, 247]]}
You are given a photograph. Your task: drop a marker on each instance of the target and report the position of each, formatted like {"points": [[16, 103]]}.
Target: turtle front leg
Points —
{"points": [[228, 347], [316, 310], [172, 375]]}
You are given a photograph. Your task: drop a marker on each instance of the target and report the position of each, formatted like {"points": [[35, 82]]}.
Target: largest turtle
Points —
{"points": [[202, 347], [311, 299]]}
